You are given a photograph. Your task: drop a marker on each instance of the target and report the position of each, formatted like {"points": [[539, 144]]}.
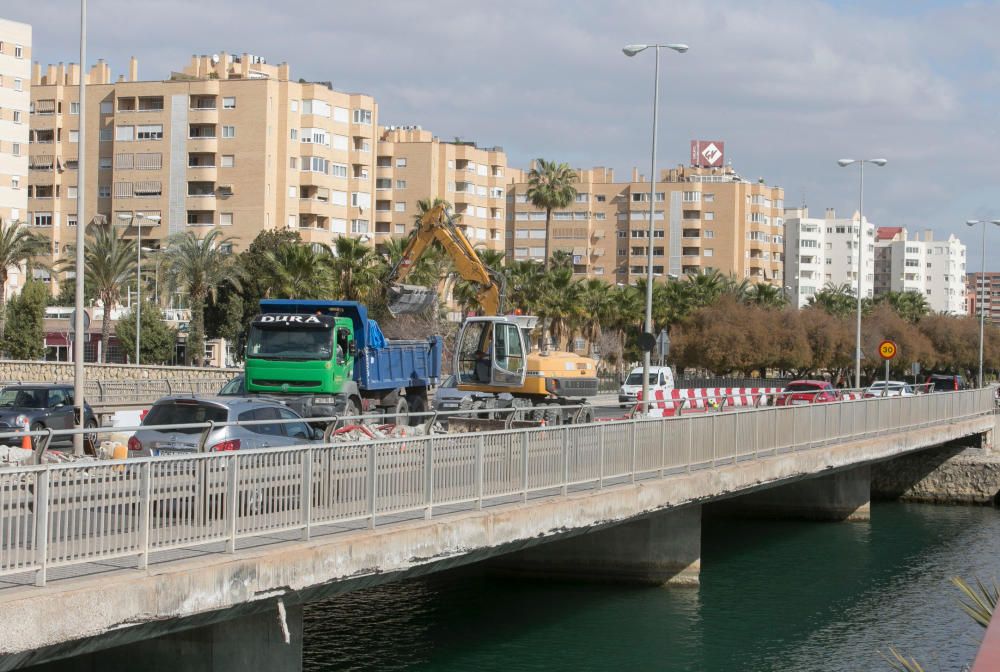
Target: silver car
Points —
{"points": [[178, 410]]}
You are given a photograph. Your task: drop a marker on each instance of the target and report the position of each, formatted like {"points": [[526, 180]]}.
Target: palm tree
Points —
{"points": [[18, 247], [766, 296], [836, 300], [524, 280], [559, 303], [198, 267], [705, 288], [599, 309], [109, 267], [550, 187], [301, 271], [909, 305], [357, 270]]}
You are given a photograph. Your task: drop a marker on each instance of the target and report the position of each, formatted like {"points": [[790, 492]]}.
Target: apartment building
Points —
{"points": [[413, 165], [15, 100], [984, 288], [705, 219], [229, 141], [935, 269], [824, 251]]}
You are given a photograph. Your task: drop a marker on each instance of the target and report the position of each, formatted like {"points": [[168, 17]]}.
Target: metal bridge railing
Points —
{"points": [[68, 514]]}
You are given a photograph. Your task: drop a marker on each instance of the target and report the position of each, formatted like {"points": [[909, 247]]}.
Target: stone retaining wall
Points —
{"points": [[952, 474], [36, 372]]}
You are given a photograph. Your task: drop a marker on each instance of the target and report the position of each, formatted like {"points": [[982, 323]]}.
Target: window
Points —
{"points": [[41, 219], [295, 105], [228, 161], [293, 192], [362, 117], [360, 199], [148, 188], [709, 252], [401, 184], [293, 134], [383, 183], [17, 116], [104, 191], [107, 135], [359, 226], [400, 206], [229, 103], [18, 51], [15, 148], [229, 131], [225, 219], [18, 85], [401, 163], [107, 107], [71, 192], [708, 216], [70, 220], [74, 136], [293, 162], [124, 133], [338, 170], [15, 182], [149, 132], [74, 108], [340, 142], [338, 197], [104, 163]]}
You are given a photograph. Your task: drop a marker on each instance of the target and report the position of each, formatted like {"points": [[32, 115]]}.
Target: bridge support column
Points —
{"points": [[663, 548], [845, 495], [254, 642]]}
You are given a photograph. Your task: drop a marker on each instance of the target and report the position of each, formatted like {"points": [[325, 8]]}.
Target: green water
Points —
{"points": [[773, 596]]}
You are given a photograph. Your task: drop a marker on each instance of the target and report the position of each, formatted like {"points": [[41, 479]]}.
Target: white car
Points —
{"points": [[894, 388], [661, 378]]}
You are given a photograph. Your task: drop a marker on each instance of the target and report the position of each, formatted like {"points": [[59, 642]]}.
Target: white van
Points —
{"points": [[660, 378]]}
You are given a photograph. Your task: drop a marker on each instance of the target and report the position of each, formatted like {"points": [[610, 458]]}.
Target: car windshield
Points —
{"points": [[183, 413], [233, 387], [14, 398], [635, 378], [449, 382], [294, 343], [803, 387]]}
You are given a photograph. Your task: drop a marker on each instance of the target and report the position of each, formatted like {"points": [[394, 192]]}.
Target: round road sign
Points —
{"points": [[887, 349]]}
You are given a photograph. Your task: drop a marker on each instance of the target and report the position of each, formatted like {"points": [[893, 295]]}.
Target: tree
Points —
{"points": [[27, 311], [18, 247], [766, 296], [357, 270], [911, 306], [300, 271], [198, 267], [158, 339], [837, 300], [110, 265], [550, 187], [559, 304]]}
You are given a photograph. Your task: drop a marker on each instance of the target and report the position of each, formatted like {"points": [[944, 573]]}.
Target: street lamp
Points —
{"points": [[630, 51], [136, 220], [982, 293], [861, 241]]}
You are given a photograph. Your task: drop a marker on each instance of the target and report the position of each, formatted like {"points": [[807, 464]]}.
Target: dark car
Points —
{"points": [[945, 382], [447, 396], [41, 407], [800, 392]]}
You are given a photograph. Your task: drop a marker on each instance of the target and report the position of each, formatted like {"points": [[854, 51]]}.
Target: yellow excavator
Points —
{"points": [[493, 357]]}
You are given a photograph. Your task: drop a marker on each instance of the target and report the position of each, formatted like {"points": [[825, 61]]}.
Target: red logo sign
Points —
{"points": [[707, 153]]}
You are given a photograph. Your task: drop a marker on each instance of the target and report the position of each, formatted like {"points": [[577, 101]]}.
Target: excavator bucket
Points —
{"points": [[410, 299]]}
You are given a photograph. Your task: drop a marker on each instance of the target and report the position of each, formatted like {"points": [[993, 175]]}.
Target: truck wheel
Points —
{"points": [[352, 411], [418, 404], [587, 415], [553, 415], [402, 412]]}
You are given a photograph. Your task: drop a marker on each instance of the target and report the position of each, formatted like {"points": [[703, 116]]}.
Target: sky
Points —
{"points": [[790, 86]]}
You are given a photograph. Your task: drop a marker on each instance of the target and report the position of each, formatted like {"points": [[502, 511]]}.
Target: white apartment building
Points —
{"points": [[921, 264], [824, 251], [15, 102]]}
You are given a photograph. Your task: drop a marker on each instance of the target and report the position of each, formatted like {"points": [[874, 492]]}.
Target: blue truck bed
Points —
{"points": [[398, 363]]}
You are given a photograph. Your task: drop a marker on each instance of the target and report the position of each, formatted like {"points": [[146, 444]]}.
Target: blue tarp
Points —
{"points": [[375, 338]]}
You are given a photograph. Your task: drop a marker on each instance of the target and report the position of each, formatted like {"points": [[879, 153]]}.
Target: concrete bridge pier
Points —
{"points": [[250, 642], [843, 495], [658, 549]]}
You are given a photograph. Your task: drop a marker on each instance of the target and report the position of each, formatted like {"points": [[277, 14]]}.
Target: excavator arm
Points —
{"points": [[437, 224]]}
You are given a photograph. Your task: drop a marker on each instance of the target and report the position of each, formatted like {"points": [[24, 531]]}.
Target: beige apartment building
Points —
{"points": [[229, 141], [413, 165], [705, 219], [15, 100]]}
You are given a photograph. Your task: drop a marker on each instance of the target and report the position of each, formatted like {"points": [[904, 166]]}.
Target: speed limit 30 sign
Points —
{"points": [[887, 350]]}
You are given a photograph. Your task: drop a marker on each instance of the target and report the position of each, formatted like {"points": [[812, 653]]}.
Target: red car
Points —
{"points": [[799, 392]]}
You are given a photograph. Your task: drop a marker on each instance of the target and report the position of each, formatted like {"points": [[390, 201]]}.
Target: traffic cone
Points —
{"points": [[26, 440]]}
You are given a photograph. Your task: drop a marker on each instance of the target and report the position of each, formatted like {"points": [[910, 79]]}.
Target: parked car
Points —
{"points": [[800, 392], [894, 388], [661, 378], [178, 410], [946, 382], [447, 396], [41, 407]]}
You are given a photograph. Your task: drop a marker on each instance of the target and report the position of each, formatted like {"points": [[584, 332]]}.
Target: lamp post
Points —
{"points": [[630, 51], [137, 221], [79, 380], [861, 241], [156, 272], [982, 292]]}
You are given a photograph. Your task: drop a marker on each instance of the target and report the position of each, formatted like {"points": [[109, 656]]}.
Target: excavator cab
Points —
{"points": [[491, 353]]}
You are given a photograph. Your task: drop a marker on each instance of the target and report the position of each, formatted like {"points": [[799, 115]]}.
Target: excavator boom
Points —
{"points": [[437, 224]]}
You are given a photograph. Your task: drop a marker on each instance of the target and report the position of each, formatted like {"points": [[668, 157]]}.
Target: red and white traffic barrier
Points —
{"points": [[701, 399]]}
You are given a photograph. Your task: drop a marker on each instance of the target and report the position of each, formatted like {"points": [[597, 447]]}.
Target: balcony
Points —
{"points": [[203, 103], [201, 217], [383, 217]]}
